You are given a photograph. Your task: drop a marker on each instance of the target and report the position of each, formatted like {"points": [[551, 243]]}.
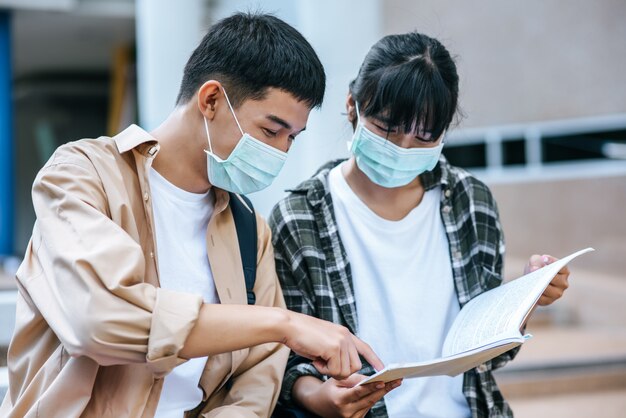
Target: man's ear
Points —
{"points": [[208, 95]]}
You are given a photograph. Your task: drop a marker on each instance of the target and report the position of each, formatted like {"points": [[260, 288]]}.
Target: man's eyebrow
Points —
{"points": [[279, 121], [282, 122]]}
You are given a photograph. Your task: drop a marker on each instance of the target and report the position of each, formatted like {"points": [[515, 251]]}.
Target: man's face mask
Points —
{"points": [[250, 167], [387, 164]]}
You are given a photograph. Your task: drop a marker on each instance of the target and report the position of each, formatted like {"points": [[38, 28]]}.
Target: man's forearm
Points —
{"points": [[225, 328]]}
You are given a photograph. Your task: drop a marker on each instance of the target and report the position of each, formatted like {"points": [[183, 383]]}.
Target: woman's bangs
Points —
{"points": [[407, 99]]}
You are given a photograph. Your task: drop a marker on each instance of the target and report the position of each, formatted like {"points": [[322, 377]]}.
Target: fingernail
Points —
{"points": [[380, 385], [545, 259]]}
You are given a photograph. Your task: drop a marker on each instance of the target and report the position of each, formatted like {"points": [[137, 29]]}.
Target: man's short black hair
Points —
{"points": [[250, 52]]}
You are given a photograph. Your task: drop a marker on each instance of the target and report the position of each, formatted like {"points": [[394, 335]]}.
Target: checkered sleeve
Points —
{"points": [[285, 222]]}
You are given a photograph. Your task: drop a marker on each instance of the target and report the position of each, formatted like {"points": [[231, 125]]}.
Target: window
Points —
{"points": [[598, 139]]}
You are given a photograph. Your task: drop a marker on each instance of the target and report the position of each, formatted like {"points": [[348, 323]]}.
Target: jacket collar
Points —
{"points": [[135, 137]]}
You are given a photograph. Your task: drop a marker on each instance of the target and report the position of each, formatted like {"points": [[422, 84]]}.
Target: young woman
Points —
{"points": [[394, 241]]}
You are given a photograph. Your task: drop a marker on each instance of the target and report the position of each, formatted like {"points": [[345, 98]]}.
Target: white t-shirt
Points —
{"points": [[181, 219], [404, 293]]}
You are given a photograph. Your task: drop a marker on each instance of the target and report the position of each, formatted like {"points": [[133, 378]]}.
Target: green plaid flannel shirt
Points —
{"points": [[315, 275]]}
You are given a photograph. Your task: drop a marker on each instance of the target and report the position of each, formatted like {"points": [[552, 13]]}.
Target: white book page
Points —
{"points": [[450, 366], [500, 312]]}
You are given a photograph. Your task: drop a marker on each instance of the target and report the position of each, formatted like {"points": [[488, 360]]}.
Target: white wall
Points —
{"points": [[526, 61], [167, 33]]}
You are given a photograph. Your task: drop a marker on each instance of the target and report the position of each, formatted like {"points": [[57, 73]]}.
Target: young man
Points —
{"points": [[134, 265]]}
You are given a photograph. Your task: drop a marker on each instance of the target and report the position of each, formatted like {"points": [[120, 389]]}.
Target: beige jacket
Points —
{"points": [[95, 335]]}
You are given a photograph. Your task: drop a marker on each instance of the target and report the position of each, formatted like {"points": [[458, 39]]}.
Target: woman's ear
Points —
{"points": [[208, 95], [351, 109]]}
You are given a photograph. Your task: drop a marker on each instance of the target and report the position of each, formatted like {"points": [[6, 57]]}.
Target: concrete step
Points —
{"points": [[559, 360], [551, 379], [568, 371], [600, 404]]}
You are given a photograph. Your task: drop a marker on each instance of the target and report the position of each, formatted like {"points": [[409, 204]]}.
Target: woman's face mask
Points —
{"points": [[387, 164], [250, 167]]}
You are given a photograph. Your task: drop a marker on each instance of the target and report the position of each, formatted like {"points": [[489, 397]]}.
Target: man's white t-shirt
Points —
{"points": [[404, 293], [181, 219]]}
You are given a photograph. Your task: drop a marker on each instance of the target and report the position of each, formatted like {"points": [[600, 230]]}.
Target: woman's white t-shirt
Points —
{"points": [[405, 296]]}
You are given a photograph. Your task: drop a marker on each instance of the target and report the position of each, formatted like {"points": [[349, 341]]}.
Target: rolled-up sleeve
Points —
{"points": [[87, 276]]}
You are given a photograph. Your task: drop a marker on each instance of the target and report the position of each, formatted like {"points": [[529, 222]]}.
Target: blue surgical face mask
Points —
{"points": [[250, 167], [387, 164]]}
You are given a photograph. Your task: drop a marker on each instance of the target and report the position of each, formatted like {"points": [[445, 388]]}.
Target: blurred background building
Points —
{"points": [[544, 124]]}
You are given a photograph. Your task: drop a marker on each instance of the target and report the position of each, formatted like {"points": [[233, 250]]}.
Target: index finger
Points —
{"points": [[368, 354]]}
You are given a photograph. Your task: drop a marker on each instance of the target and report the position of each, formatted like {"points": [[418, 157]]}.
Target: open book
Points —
{"points": [[486, 327]]}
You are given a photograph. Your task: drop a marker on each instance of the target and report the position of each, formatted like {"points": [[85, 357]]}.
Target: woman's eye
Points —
{"points": [[426, 140], [386, 129]]}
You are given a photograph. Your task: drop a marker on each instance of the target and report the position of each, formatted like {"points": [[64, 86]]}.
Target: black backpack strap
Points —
{"points": [[291, 412], [245, 224]]}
